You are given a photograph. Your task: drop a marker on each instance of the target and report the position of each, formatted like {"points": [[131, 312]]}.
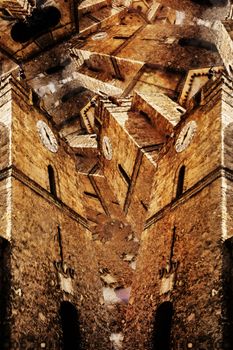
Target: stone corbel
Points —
{"points": [[67, 272]]}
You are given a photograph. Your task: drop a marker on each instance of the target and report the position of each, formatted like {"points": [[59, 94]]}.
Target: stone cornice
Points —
{"points": [[199, 186], [25, 180]]}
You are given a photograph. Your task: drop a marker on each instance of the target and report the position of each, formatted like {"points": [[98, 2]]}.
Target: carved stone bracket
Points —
{"points": [[61, 266], [169, 269], [171, 265], [67, 272]]}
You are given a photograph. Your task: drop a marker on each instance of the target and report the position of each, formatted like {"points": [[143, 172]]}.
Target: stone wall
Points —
{"points": [[43, 276], [200, 157], [32, 158], [185, 270]]}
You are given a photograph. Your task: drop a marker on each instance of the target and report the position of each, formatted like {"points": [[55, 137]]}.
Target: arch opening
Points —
{"points": [[5, 287], [52, 181], [180, 182], [162, 326], [70, 326]]}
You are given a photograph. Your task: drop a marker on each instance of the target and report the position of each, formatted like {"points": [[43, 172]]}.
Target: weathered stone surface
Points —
{"points": [[198, 254], [116, 175]]}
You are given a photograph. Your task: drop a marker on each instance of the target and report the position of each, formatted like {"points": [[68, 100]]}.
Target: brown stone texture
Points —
{"points": [[33, 160], [35, 250], [200, 158], [197, 292], [116, 175]]}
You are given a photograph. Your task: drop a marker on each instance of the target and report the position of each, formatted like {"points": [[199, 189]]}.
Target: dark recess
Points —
{"points": [[124, 174], [52, 181], [180, 183], [211, 3], [54, 70], [227, 282], [58, 68], [196, 42], [70, 326], [5, 283], [162, 326], [40, 22], [73, 93]]}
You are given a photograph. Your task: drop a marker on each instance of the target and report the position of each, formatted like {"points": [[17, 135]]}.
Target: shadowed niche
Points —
{"points": [[52, 181], [70, 326], [72, 93], [196, 42], [227, 307], [180, 184], [162, 326], [40, 22], [5, 282], [211, 3]]}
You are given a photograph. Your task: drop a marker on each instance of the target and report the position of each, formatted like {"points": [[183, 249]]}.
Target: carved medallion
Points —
{"points": [[186, 136], [99, 36], [47, 137], [107, 148]]}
